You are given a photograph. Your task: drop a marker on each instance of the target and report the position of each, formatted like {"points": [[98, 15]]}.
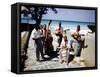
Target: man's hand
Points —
{"points": [[33, 38]]}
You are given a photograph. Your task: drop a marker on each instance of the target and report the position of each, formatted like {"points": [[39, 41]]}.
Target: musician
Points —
{"points": [[64, 54], [78, 40], [59, 32], [37, 36]]}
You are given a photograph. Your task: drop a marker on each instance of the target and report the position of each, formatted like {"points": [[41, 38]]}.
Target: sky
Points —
{"points": [[71, 15]]}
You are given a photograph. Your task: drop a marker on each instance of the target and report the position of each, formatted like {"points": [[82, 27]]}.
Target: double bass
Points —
{"points": [[48, 40]]}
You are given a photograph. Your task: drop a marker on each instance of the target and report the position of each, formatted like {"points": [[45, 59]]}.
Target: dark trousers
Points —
{"points": [[59, 40], [38, 53], [79, 47], [39, 49]]}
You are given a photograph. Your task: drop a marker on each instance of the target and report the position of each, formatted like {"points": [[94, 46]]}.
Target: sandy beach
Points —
{"points": [[88, 54]]}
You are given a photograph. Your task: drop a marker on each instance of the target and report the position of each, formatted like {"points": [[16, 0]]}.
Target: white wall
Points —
{"points": [[5, 27]]}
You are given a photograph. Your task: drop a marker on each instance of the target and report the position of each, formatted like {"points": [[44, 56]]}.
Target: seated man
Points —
{"points": [[64, 51]]}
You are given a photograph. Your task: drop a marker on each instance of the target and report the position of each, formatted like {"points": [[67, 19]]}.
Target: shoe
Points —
{"points": [[71, 49], [38, 60], [44, 59], [85, 46]]}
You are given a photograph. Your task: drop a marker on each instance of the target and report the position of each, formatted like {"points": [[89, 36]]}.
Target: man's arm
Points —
{"points": [[34, 36], [37, 37]]}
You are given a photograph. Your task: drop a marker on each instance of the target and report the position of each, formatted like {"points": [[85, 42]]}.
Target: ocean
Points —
{"points": [[72, 25]]}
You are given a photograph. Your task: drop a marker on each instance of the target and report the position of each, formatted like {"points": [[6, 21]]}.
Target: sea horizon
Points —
{"points": [[26, 19], [65, 24]]}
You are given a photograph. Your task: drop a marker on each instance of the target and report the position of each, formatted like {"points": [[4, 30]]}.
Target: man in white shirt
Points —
{"points": [[37, 36]]}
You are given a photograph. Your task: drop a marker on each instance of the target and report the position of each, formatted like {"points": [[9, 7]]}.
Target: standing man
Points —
{"points": [[59, 33], [78, 40], [37, 36]]}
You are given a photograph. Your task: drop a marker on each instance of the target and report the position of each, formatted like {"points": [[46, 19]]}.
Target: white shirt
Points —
{"points": [[36, 34]]}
